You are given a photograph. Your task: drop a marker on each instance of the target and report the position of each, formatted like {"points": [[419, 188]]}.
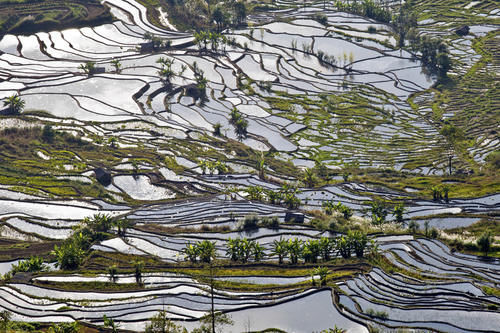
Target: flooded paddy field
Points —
{"points": [[305, 129]]}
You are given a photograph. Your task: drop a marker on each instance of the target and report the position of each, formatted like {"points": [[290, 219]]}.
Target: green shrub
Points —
{"points": [[485, 241], [377, 314], [69, 256], [48, 134], [250, 222], [321, 18], [493, 159], [33, 264], [492, 307], [413, 227], [271, 222]]}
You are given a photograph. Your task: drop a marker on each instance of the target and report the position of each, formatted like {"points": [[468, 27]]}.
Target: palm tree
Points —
{"points": [[122, 225], [235, 115], [292, 201], [201, 39], [399, 210], [98, 222], [166, 73], [206, 251], [240, 12], [326, 246], [215, 40], [112, 142], [241, 129], [211, 167], [233, 248], [323, 274], [117, 65], [203, 164], [436, 193], [309, 177], [156, 41], [295, 249], [280, 248], [358, 242], [346, 212], [274, 197], [88, 68], [426, 228], [446, 190], [335, 329], [220, 18], [110, 323], [261, 166], [245, 249], [329, 207], [311, 250], [257, 251], [344, 247], [138, 267], [113, 271], [14, 103], [255, 193], [192, 252]]}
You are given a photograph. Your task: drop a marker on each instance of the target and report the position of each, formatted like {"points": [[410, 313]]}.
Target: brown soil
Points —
{"points": [[14, 249]]}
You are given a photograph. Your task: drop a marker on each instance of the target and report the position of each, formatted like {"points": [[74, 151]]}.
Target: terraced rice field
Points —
{"points": [[373, 111]]}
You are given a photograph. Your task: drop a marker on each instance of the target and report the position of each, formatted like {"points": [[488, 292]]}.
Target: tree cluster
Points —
{"points": [[367, 8], [329, 207], [286, 195], [203, 251], [72, 251], [434, 52], [209, 40], [240, 124], [242, 249], [323, 248], [31, 265], [166, 72], [310, 251], [156, 41], [201, 82], [212, 166], [440, 192]]}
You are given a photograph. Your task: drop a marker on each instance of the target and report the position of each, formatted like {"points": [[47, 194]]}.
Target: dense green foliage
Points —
{"points": [[71, 253], [15, 104], [203, 251], [368, 8], [160, 323], [32, 264], [485, 242]]}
